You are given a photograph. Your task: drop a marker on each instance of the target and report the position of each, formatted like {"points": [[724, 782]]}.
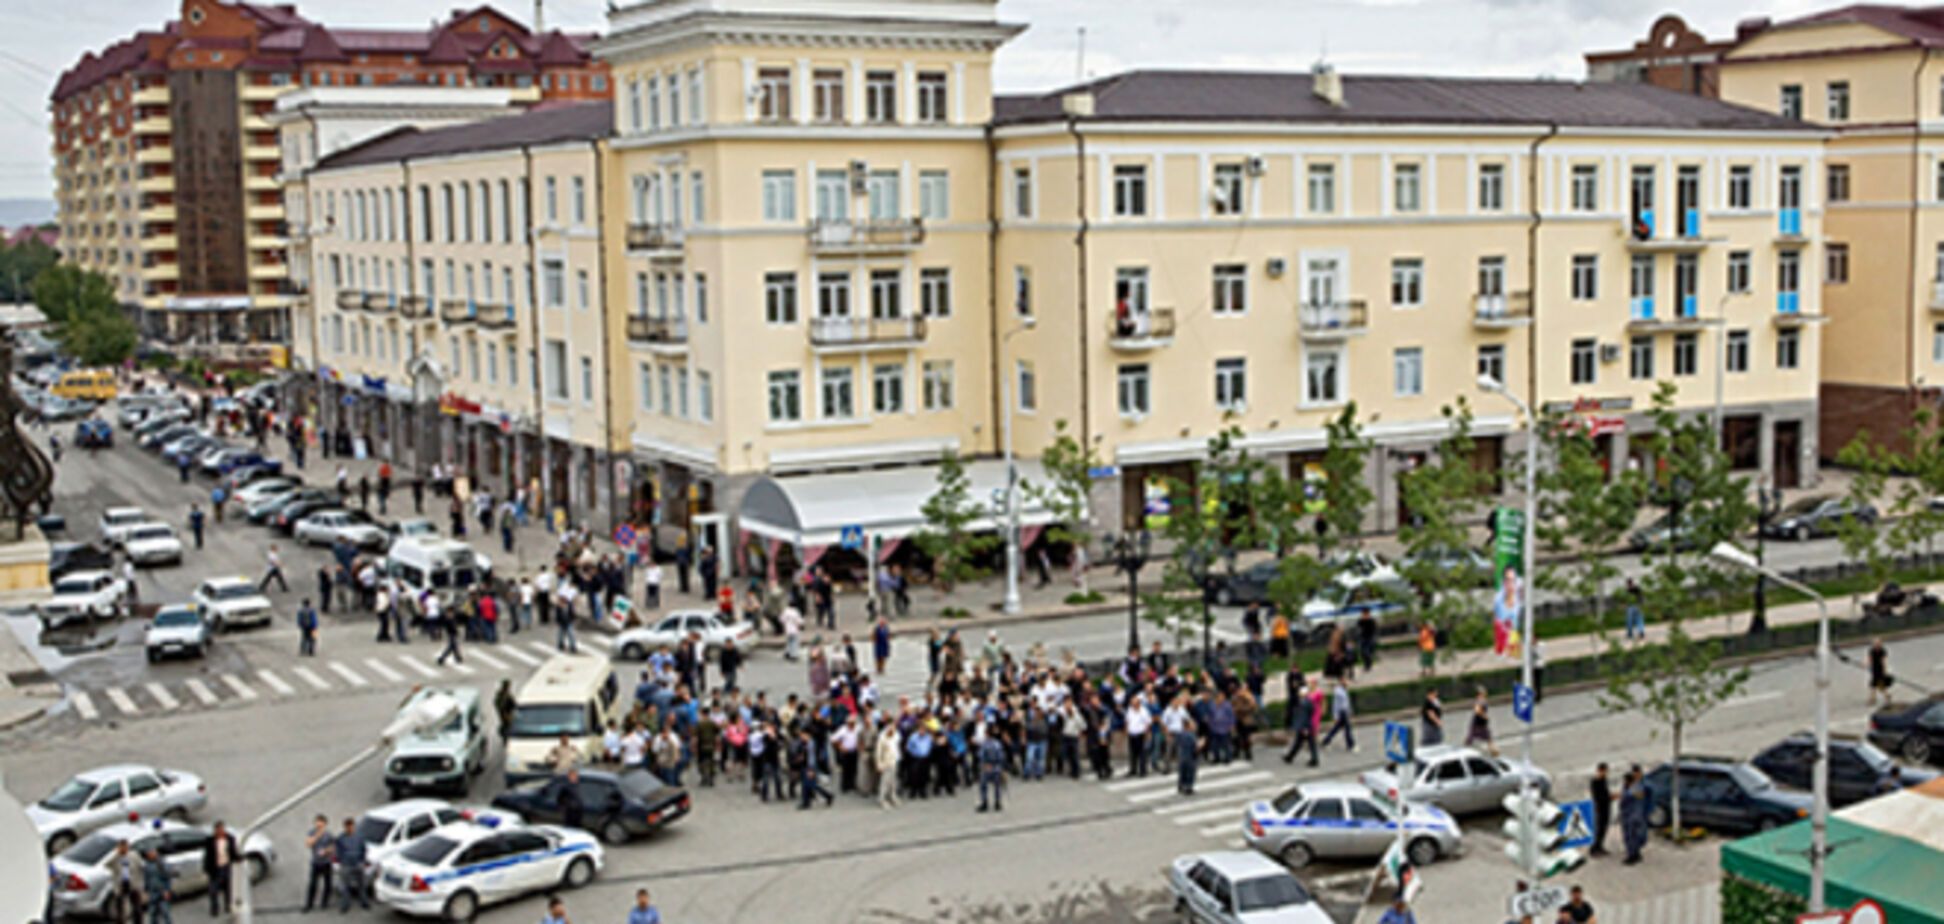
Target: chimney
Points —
{"points": [[1327, 84], [539, 18], [1751, 27], [1078, 105]]}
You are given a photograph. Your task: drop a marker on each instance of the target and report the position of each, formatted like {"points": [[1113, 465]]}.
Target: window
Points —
{"points": [[1788, 348], [938, 384], [580, 200], [1322, 377], [654, 102], [634, 105], [1788, 192], [935, 292], [773, 94], [1836, 260], [1491, 187], [827, 94], [1586, 277], [1937, 343], [839, 398], [1130, 190], [881, 96], [934, 195], [1687, 354], [1407, 371], [887, 294], [1022, 192], [553, 276], [667, 390], [557, 369], [779, 195], [780, 298], [833, 295], [696, 202], [1586, 188], [553, 202], [1231, 288], [1232, 384], [1791, 103], [1838, 187], [1491, 361], [931, 96], [1023, 291], [785, 396], [1491, 277], [1407, 188], [1226, 192], [1132, 382], [1837, 96], [1585, 361], [695, 96], [1741, 187], [1737, 358], [1407, 283], [1322, 189], [580, 289], [1028, 387], [587, 379], [1739, 272], [1788, 270], [704, 395], [1640, 358], [833, 195]]}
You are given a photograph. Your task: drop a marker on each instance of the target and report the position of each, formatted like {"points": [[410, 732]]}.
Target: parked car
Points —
{"points": [[242, 476], [1913, 731], [84, 874], [1816, 516], [163, 435], [1658, 535], [1240, 887], [1247, 585], [1341, 604], [1346, 820], [231, 459], [187, 450], [153, 544], [1722, 795], [266, 510], [392, 827], [80, 597], [94, 433], [672, 629], [104, 795], [445, 758], [1460, 780], [1469, 567], [1857, 769], [258, 489], [176, 630], [461, 867], [332, 525], [65, 558], [57, 409], [116, 522], [294, 512], [618, 807], [231, 602], [413, 528]]}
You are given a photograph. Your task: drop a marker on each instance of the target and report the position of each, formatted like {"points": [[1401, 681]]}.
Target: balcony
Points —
{"points": [[495, 317], [262, 270], [1337, 320], [260, 92], [661, 334], [152, 125], [1141, 331], [656, 240], [380, 302], [151, 96], [1788, 227], [844, 333], [156, 184], [157, 213], [1642, 314], [263, 212], [155, 154], [159, 243], [350, 299], [257, 123], [161, 271], [261, 183], [457, 310], [268, 242], [415, 308], [875, 236], [1641, 237], [261, 152], [1501, 311], [1789, 313]]}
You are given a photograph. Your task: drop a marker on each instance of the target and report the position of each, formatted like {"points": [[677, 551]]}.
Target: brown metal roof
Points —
{"points": [[544, 124], [1921, 24], [1234, 96]]}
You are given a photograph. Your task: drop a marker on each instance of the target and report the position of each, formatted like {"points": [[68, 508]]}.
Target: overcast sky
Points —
{"points": [[1497, 37]]}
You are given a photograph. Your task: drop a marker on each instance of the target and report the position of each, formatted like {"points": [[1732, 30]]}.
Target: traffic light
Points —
{"points": [[1535, 821]]}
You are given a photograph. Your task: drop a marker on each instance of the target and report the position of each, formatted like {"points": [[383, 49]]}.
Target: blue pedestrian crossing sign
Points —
{"points": [[1397, 742], [1522, 702], [851, 537], [1576, 824]]}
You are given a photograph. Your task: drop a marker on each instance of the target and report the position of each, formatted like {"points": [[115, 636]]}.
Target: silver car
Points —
{"points": [[1238, 887], [106, 795], [84, 874], [1346, 820], [1461, 780]]}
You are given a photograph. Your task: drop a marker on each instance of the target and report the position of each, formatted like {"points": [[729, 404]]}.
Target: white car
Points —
{"points": [[105, 795], [461, 867], [176, 630], [328, 527], [116, 522], [229, 602], [82, 595], [153, 544], [1240, 887], [390, 828], [672, 629], [84, 874], [262, 488], [414, 528]]}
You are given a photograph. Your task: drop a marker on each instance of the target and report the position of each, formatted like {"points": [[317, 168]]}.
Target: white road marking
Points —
{"points": [[84, 704], [305, 674], [378, 667], [1200, 785], [277, 683], [201, 690], [1168, 779], [492, 662], [597, 641], [461, 667], [162, 695], [422, 670], [1219, 830], [350, 675], [121, 700], [1199, 804], [543, 648], [513, 651], [1752, 699], [242, 689], [1233, 810]]}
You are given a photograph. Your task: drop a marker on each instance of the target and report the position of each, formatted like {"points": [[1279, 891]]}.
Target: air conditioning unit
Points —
{"points": [[859, 170], [1256, 166], [1275, 267], [1609, 352]]}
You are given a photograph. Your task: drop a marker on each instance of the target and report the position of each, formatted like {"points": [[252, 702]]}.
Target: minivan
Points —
{"points": [[570, 695], [88, 384], [435, 564]]}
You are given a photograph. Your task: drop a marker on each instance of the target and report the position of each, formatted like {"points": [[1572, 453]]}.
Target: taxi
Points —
{"points": [[461, 867]]}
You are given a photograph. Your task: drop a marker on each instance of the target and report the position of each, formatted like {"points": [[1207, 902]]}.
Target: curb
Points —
{"points": [[914, 627]]}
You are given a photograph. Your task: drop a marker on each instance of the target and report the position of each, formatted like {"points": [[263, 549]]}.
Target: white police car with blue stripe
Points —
{"points": [[461, 867], [1346, 820]]}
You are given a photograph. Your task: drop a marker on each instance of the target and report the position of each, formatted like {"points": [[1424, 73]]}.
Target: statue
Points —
{"points": [[26, 477]]}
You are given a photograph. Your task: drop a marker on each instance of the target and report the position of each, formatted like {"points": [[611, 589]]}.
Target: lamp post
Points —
{"points": [[1130, 556], [1491, 385], [1011, 604], [1768, 503], [428, 713], [1729, 554]]}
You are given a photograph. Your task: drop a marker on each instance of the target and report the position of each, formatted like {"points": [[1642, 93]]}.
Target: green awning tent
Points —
{"points": [[1889, 849]]}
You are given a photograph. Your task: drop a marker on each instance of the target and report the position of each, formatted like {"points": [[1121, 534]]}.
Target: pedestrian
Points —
{"points": [[1340, 705], [125, 892], [705, 568], [1880, 679], [804, 760], [54, 444], [306, 630], [729, 660], [343, 484], [418, 493], [890, 748], [643, 911], [351, 869], [158, 884], [556, 909], [273, 570], [364, 492], [1431, 718], [1481, 724], [1633, 815], [1367, 639], [506, 535], [1577, 909], [218, 863], [217, 498], [1302, 725], [564, 639], [196, 524], [1427, 649], [1181, 727], [182, 467], [128, 580], [445, 617], [792, 632], [503, 706], [1399, 912], [384, 486], [652, 585], [992, 773], [324, 587], [881, 645], [1602, 796], [684, 557]]}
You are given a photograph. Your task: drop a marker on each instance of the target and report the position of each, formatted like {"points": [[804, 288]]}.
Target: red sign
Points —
{"points": [[450, 403], [1865, 912]]}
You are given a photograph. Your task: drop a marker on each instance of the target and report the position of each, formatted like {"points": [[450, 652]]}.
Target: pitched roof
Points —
{"points": [[1921, 24], [545, 124], [1234, 96]]}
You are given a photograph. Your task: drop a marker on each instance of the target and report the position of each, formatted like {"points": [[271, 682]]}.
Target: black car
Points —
{"points": [[1722, 795], [1247, 585], [1914, 731], [268, 514], [65, 558], [289, 514], [163, 436], [1858, 770], [618, 807], [1816, 516]]}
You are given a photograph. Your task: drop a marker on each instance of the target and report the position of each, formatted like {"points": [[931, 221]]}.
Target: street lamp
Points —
{"points": [[1130, 556], [1011, 605], [1490, 385], [428, 713], [1728, 554]]}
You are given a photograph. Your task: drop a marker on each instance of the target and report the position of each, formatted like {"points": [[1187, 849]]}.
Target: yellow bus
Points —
{"points": [[90, 384]]}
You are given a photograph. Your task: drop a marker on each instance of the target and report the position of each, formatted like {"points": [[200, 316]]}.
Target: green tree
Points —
{"points": [[1706, 502], [1673, 684], [955, 549], [1069, 472], [1338, 501], [20, 265], [1916, 520], [1583, 511], [1205, 519], [1443, 496], [89, 321], [1866, 543]]}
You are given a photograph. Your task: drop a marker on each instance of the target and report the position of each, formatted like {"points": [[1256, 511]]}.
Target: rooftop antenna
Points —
{"points": [[1080, 60]]}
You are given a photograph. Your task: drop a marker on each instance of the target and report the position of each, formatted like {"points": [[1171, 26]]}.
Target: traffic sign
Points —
{"points": [[1522, 702], [1576, 823], [851, 537], [624, 535], [1865, 912], [1533, 903], [1397, 742]]}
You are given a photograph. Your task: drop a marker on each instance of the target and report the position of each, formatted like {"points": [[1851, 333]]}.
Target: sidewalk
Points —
{"points": [[25, 691]]}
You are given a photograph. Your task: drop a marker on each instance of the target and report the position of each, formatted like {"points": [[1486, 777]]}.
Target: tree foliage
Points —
{"points": [[1337, 502], [1864, 541], [1069, 469], [88, 319], [1207, 521], [20, 265], [955, 549], [1583, 511], [1443, 496]]}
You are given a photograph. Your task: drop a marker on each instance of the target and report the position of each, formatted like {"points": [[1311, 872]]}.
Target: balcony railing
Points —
{"points": [[655, 238], [457, 310], [1141, 330], [380, 302], [350, 299], [1501, 309], [879, 235], [1642, 227], [855, 332], [1334, 319], [658, 331], [415, 307], [494, 316]]}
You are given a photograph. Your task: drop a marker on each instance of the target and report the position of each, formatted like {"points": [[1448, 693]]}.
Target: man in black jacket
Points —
{"points": [[218, 862], [571, 811]]}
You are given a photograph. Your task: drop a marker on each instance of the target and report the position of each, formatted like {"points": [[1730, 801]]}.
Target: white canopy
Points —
{"points": [[815, 510]]}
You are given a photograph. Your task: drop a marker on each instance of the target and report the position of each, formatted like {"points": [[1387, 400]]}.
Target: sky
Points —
{"points": [[1485, 37]]}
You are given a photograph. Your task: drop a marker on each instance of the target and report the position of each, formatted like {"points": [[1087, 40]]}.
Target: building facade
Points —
{"points": [[167, 160]]}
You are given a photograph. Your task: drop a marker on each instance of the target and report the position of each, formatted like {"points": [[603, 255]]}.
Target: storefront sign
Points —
{"points": [[455, 405], [374, 383]]}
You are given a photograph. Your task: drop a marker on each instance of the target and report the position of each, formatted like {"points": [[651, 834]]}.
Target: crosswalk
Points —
{"points": [[1222, 792], [323, 675], [1697, 905]]}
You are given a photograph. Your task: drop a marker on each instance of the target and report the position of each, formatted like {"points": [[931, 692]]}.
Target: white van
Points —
{"points": [[570, 695], [433, 563]]}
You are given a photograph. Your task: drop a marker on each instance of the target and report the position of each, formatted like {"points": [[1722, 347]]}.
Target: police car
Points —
{"points": [[388, 829], [1346, 820], [460, 867]]}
